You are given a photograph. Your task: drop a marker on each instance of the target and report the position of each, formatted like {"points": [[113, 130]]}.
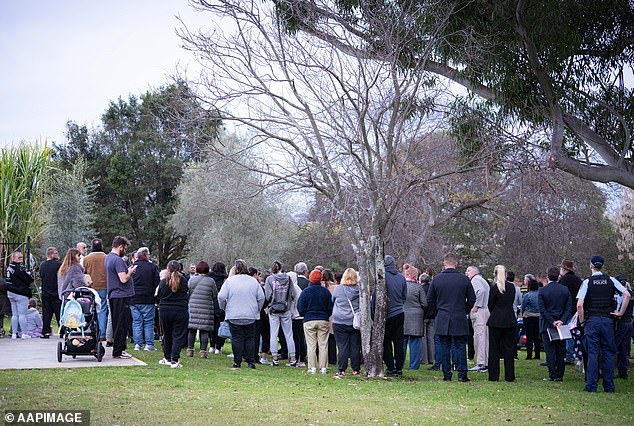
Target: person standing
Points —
{"points": [[502, 325], [146, 280], [315, 305], [451, 295], [554, 310], [428, 349], [203, 296], [120, 290], [219, 275], [345, 301], [173, 294], [596, 309], [70, 274], [51, 303], [95, 266], [18, 283], [623, 332], [242, 299], [279, 293], [81, 247], [530, 316], [302, 271], [572, 282], [479, 316], [396, 289], [414, 318]]}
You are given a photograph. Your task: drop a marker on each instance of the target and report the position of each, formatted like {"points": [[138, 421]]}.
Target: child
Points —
{"points": [[33, 320]]}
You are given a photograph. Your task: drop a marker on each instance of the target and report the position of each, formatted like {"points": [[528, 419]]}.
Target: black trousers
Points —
{"points": [[243, 342], [470, 343], [51, 305], [217, 342], [120, 311], [502, 345], [349, 346], [263, 334], [531, 326], [555, 356], [393, 354], [191, 338], [300, 340], [332, 349], [174, 321]]}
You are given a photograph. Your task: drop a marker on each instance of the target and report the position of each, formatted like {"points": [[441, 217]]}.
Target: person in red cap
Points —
{"points": [[315, 305]]}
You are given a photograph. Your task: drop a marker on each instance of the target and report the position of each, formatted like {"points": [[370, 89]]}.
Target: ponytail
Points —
{"points": [[500, 278]]}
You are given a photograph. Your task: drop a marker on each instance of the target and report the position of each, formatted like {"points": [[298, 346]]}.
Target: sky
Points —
{"points": [[67, 59]]}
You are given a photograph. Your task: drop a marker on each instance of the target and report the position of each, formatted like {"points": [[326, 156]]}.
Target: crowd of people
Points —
{"points": [[312, 318]]}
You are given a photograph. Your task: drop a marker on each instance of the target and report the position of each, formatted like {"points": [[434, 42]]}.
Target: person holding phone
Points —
{"points": [[120, 290]]}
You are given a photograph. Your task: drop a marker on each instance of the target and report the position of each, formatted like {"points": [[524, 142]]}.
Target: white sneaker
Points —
{"points": [[26, 336], [216, 352], [264, 361], [230, 356], [137, 347], [312, 371], [14, 336], [150, 348], [323, 370], [176, 365], [164, 362]]}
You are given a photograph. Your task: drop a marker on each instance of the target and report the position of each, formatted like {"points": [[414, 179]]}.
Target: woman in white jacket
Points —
{"points": [[242, 298]]}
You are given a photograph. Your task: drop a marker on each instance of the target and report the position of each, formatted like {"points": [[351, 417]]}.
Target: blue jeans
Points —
{"points": [[103, 313], [19, 309], [570, 350], [143, 324], [599, 334], [436, 350], [457, 346], [415, 345]]}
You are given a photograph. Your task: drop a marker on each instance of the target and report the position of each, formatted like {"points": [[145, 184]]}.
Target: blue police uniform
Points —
{"points": [[597, 292]]}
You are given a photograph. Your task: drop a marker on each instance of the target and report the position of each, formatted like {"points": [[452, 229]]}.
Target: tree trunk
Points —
{"points": [[371, 265]]}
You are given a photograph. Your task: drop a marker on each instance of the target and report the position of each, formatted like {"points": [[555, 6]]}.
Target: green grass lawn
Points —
{"points": [[207, 391]]}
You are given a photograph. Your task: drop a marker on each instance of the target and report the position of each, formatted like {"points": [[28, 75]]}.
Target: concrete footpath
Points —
{"points": [[24, 354]]}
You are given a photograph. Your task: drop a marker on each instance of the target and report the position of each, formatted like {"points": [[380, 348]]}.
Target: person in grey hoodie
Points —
{"points": [[280, 293], [345, 299], [396, 287], [241, 298]]}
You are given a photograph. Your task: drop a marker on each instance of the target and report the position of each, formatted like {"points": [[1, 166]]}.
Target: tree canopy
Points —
{"points": [[560, 67], [136, 159]]}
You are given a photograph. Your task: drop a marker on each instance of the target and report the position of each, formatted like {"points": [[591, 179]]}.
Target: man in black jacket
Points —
{"points": [[51, 304], [555, 304], [451, 295], [572, 282], [146, 280]]}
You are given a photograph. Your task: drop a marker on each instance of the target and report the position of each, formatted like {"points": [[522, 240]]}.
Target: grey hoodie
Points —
{"points": [[276, 297]]}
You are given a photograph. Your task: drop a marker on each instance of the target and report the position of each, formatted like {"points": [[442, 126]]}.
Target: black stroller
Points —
{"points": [[81, 335]]}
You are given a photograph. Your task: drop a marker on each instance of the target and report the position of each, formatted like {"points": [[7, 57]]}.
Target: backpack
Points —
{"points": [[73, 315], [281, 299]]}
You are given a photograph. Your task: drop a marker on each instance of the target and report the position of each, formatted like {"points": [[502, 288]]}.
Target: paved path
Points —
{"points": [[42, 353]]}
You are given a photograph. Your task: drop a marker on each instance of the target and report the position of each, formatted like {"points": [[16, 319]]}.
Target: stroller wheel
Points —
{"points": [[59, 351], [100, 352]]}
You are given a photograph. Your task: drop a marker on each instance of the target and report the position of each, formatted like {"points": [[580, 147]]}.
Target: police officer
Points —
{"points": [[596, 309]]}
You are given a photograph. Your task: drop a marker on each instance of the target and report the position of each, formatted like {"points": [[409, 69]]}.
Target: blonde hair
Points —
{"points": [[500, 277], [174, 276], [350, 277]]}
